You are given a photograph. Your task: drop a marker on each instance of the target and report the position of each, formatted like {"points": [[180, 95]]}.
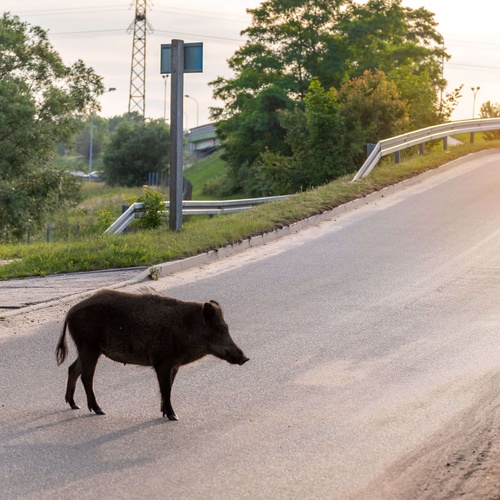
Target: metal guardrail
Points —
{"points": [[400, 142], [191, 207]]}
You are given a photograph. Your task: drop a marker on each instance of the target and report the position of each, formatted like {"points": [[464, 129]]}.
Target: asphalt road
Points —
{"points": [[372, 338]]}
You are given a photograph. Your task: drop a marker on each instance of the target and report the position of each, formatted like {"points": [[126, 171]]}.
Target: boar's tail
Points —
{"points": [[62, 345]]}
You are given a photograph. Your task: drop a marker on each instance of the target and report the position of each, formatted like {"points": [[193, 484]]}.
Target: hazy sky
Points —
{"points": [[96, 32]]}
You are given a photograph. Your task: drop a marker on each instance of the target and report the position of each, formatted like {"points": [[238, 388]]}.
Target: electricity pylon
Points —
{"points": [[140, 26]]}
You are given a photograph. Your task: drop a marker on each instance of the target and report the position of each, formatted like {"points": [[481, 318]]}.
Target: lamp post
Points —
{"points": [[111, 89], [165, 80], [475, 90], [197, 108]]}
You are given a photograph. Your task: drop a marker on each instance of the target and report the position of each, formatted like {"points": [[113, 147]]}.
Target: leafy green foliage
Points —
{"points": [[291, 43], [245, 135], [134, 150], [490, 110], [100, 137], [153, 213], [372, 110], [26, 201], [39, 100], [318, 141]]}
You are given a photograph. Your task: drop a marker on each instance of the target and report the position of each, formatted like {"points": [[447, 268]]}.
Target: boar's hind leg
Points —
{"points": [[89, 361], [74, 371], [166, 376]]}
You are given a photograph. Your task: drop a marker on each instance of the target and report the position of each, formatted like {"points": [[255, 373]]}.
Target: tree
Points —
{"points": [[256, 129], [291, 42], [405, 44], [320, 149], [136, 149], [372, 109], [100, 137], [273, 70], [40, 98], [490, 110]]}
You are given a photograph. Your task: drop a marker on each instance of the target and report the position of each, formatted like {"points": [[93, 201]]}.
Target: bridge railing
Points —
{"points": [[191, 207], [400, 142]]}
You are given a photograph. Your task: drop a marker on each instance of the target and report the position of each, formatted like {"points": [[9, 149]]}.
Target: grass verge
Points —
{"points": [[201, 234]]}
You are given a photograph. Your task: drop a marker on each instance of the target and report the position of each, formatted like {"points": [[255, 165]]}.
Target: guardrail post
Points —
{"points": [[397, 157], [421, 149], [445, 143], [369, 148], [472, 137]]}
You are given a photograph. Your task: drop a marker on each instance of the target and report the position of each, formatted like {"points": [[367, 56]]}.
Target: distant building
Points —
{"points": [[202, 140]]}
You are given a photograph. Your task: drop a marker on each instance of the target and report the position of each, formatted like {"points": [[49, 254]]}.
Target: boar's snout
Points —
{"points": [[235, 356], [243, 360]]}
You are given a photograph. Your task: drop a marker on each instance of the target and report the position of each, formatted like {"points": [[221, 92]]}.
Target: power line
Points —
{"points": [[206, 14], [478, 66], [469, 43], [67, 10], [108, 8], [120, 32], [87, 34], [202, 37]]}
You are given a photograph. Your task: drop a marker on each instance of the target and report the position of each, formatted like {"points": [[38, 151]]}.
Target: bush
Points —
{"points": [[153, 211]]}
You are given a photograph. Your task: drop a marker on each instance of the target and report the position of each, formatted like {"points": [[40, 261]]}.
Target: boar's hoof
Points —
{"points": [[75, 407], [97, 410], [171, 416]]}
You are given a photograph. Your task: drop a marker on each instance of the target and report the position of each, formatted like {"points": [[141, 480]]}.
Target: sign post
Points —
{"points": [[178, 58], [176, 135]]}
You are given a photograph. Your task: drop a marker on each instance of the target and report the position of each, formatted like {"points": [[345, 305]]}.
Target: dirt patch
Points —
{"points": [[461, 461]]}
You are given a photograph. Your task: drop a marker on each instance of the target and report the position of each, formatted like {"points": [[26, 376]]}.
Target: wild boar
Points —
{"points": [[143, 329]]}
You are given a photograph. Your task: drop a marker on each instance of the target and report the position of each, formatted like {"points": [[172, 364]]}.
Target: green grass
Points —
{"points": [[98, 196], [201, 234], [203, 171]]}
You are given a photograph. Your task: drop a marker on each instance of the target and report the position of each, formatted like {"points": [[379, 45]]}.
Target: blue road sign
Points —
{"points": [[193, 58]]}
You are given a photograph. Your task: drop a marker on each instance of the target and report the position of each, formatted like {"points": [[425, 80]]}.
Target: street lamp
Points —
{"points": [[197, 108], [165, 80], [475, 90], [111, 89]]}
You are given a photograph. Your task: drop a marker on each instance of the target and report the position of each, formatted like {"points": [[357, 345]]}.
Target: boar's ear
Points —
{"points": [[209, 311]]}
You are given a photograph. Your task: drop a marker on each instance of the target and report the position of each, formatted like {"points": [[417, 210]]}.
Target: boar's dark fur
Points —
{"points": [[143, 329]]}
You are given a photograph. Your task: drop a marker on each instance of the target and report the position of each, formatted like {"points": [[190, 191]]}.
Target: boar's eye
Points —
{"points": [[221, 329]]}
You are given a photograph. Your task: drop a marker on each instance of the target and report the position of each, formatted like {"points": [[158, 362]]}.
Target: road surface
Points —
{"points": [[374, 369]]}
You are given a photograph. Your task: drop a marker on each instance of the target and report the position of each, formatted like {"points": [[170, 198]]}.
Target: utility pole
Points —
{"points": [[197, 109], [165, 80], [140, 27], [91, 148], [474, 91]]}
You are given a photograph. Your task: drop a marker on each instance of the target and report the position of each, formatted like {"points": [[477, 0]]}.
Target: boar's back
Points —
{"points": [[131, 328]]}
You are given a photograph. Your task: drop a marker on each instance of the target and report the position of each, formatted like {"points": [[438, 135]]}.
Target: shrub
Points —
{"points": [[153, 211]]}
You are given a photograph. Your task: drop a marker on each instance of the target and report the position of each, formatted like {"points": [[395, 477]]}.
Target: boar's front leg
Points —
{"points": [[166, 375]]}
